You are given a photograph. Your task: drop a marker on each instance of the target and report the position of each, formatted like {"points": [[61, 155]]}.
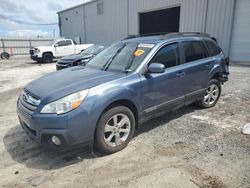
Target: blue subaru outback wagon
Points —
{"points": [[103, 102]]}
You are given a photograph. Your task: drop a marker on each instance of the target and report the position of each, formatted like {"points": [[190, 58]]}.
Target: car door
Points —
{"points": [[64, 48], [59, 48], [69, 47], [195, 68], [161, 90]]}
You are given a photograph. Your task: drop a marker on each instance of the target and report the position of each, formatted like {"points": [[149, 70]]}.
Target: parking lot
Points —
{"points": [[189, 147]]}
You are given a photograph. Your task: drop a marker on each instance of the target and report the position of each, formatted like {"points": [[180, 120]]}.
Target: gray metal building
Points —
{"points": [[107, 21]]}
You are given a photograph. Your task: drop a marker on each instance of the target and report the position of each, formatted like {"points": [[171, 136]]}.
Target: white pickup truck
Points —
{"points": [[57, 49]]}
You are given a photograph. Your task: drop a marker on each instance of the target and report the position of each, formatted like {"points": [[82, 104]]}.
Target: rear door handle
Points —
{"points": [[180, 74]]}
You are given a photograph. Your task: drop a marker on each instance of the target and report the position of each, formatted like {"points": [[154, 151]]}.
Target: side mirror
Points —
{"points": [[156, 68], [56, 45]]}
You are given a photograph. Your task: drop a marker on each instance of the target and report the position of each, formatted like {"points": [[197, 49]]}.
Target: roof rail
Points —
{"points": [[131, 37], [165, 35], [145, 35], [154, 34], [181, 34]]}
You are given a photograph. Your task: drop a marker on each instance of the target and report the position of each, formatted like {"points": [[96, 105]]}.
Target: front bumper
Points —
{"points": [[74, 128], [35, 57]]}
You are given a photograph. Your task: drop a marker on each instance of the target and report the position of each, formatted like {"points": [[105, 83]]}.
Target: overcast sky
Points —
{"points": [[15, 15]]}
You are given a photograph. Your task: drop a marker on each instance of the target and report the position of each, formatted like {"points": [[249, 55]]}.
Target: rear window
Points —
{"points": [[193, 50], [213, 49]]}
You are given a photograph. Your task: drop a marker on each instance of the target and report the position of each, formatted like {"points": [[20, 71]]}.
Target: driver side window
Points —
{"points": [[168, 55], [61, 43]]}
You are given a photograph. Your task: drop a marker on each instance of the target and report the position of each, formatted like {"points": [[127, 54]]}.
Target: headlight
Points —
{"points": [[65, 104], [37, 50], [77, 62]]}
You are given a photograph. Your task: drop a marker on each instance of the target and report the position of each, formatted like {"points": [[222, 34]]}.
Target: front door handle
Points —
{"points": [[180, 74]]}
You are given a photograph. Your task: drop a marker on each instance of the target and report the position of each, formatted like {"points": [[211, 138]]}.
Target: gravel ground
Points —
{"points": [[189, 147]]}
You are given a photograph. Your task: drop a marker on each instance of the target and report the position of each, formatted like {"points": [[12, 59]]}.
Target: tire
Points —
{"points": [[211, 95], [47, 58], [5, 55], [125, 130]]}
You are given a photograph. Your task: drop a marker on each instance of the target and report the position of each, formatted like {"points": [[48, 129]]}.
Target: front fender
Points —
{"points": [[100, 97], [128, 88]]}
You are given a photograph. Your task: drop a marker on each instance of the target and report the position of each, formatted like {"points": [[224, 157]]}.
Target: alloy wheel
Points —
{"points": [[212, 94], [116, 130]]}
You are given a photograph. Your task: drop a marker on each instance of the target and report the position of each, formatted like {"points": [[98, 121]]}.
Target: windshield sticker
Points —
{"points": [[146, 45], [138, 52]]}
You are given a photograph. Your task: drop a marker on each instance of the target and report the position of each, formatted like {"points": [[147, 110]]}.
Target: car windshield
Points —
{"points": [[93, 50], [121, 57], [51, 42]]}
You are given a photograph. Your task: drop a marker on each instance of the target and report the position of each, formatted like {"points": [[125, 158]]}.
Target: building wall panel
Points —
{"points": [[219, 22], [109, 26], [72, 23], [240, 45], [121, 18]]}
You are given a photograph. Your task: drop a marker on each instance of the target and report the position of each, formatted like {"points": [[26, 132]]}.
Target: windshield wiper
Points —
{"points": [[108, 63], [127, 68]]}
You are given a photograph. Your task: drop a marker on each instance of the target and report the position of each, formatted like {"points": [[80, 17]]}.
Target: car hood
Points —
{"points": [[72, 58], [62, 83], [43, 47]]}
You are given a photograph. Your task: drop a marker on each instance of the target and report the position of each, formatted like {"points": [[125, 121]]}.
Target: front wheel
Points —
{"points": [[47, 58], [115, 129], [211, 95]]}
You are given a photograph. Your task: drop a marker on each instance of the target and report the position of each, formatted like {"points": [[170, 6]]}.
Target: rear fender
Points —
{"points": [[220, 71]]}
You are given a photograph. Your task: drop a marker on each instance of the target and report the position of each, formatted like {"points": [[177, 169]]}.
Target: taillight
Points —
{"points": [[226, 61]]}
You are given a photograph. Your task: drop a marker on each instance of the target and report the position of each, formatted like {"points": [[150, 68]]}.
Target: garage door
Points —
{"points": [[240, 45], [166, 20]]}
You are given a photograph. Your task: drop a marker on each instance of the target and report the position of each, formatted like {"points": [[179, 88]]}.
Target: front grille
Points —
{"points": [[32, 52], [25, 126], [28, 102]]}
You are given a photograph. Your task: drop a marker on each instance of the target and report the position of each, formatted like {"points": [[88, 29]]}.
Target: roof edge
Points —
{"points": [[76, 6]]}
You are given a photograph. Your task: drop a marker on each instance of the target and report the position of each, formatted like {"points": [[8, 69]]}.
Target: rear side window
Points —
{"points": [[168, 55], [213, 49], [193, 50]]}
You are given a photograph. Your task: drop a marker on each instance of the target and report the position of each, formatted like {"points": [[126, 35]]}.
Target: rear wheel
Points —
{"points": [[115, 129], [211, 95], [47, 58]]}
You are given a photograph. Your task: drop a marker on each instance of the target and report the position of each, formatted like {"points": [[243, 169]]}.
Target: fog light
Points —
{"points": [[56, 140]]}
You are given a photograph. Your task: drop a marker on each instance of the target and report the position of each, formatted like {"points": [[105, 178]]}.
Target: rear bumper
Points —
{"points": [[223, 77]]}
